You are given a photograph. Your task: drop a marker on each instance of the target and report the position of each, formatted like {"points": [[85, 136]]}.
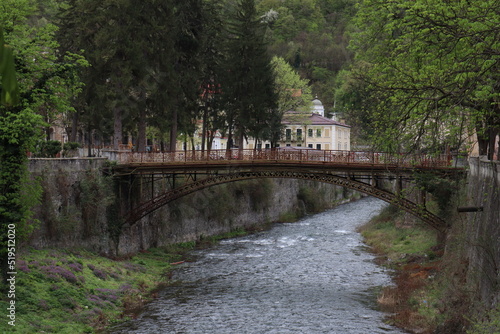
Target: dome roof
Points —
{"points": [[317, 102]]}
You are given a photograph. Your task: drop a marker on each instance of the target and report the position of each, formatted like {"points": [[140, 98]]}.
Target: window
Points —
{"points": [[299, 134], [318, 133], [318, 146], [310, 132], [259, 146], [288, 134], [299, 145], [288, 144], [268, 145], [340, 146], [310, 145], [340, 133]]}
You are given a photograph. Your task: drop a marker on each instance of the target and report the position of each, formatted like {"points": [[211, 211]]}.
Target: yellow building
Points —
{"points": [[312, 130]]}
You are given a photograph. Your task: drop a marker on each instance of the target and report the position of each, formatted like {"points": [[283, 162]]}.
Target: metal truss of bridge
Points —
{"points": [[365, 172]]}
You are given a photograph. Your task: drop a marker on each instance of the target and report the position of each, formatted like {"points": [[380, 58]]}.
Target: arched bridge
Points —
{"points": [[366, 172]]}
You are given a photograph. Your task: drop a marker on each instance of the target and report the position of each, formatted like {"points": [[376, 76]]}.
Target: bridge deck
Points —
{"points": [[130, 162]]}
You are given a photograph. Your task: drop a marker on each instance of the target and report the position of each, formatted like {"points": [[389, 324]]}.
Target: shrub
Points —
{"points": [[69, 146], [48, 149]]}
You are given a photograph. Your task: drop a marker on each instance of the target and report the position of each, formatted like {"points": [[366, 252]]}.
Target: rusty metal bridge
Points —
{"points": [[190, 171]]}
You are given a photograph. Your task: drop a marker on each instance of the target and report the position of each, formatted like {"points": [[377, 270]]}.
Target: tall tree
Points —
{"points": [[294, 93], [434, 67], [212, 69], [189, 28], [250, 88]]}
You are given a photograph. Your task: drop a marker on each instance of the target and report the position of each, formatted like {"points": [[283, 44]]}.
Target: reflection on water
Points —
{"points": [[313, 276]]}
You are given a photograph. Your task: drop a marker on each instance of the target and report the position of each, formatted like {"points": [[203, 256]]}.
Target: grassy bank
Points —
{"points": [[410, 250], [75, 291]]}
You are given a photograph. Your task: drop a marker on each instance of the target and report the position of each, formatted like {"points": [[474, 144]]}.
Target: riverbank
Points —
{"points": [[76, 291], [410, 249]]}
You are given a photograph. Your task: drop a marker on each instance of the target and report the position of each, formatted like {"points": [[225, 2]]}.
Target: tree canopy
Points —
{"points": [[432, 68]]}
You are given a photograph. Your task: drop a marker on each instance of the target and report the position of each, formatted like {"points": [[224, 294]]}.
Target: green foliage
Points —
{"points": [[208, 241], [79, 292], [9, 94], [311, 36], [442, 189], [70, 148], [430, 69], [96, 197], [293, 92], [488, 323], [384, 236], [249, 88], [18, 133], [48, 149], [48, 80]]}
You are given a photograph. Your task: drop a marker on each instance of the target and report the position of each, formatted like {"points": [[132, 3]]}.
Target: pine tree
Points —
{"points": [[249, 87]]}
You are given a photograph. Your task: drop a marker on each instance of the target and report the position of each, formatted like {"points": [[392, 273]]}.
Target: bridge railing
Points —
{"points": [[285, 154]]}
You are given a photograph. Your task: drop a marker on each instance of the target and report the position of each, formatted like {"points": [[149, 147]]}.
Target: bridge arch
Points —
{"points": [[419, 211]]}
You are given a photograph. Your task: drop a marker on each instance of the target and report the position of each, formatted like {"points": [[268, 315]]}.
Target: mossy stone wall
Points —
{"points": [[81, 208]]}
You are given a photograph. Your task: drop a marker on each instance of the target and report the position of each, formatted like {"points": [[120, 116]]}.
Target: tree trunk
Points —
{"points": [[74, 128], [117, 128], [141, 140], [210, 140], [173, 131], [482, 139], [229, 143], [241, 138], [492, 135], [204, 129], [89, 136]]}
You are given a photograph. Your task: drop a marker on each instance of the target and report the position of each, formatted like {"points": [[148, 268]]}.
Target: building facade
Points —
{"points": [[311, 130]]}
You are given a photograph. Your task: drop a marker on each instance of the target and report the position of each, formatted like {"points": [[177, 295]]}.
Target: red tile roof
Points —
{"points": [[293, 117]]}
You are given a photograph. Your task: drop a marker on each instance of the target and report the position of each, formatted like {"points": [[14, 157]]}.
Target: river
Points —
{"points": [[311, 276]]}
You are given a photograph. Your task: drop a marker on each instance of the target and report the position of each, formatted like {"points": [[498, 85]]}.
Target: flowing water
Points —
{"points": [[312, 276]]}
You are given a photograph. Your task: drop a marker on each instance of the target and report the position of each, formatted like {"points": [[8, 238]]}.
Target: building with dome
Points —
{"points": [[312, 130]]}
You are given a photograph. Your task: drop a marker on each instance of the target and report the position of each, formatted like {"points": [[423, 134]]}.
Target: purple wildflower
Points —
{"points": [[22, 266], [100, 274], [54, 272], [76, 267]]}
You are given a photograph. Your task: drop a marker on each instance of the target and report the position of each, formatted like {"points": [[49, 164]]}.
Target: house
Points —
{"points": [[312, 130]]}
